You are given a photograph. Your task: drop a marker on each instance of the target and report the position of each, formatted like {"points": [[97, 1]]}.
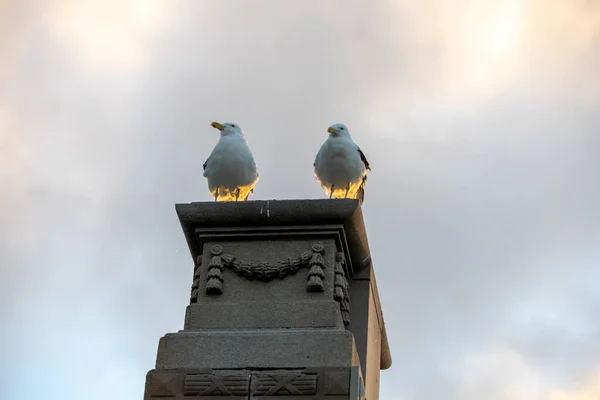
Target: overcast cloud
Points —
{"points": [[480, 120]]}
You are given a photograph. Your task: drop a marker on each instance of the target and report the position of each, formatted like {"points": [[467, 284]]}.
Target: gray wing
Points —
{"points": [[364, 159], [361, 190]]}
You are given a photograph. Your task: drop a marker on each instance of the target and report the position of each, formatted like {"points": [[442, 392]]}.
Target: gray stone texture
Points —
{"points": [[323, 383], [282, 314], [279, 303], [266, 296], [272, 348]]}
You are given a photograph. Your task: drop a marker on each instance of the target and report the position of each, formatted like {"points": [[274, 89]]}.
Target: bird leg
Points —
{"points": [[217, 193], [331, 191], [347, 190], [237, 194]]}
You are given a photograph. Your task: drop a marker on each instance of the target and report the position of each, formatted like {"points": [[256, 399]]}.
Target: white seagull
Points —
{"points": [[230, 169], [340, 165]]}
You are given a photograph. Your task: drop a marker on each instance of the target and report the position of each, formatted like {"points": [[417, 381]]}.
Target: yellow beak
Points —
{"points": [[218, 126], [331, 130]]}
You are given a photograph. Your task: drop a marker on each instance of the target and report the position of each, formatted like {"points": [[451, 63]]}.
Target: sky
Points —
{"points": [[480, 121]]}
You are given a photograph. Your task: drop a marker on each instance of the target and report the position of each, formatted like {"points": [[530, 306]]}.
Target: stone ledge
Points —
{"points": [[279, 213]]}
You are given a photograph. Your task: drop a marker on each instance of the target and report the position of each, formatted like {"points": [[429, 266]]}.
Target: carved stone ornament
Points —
{"points": [[340, 291], [283, 384], [216, 385], [309, 383], [214, 277], [196, 284], [263, 271]]}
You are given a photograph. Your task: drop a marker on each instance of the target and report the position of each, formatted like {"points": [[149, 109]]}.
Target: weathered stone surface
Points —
{"points": [[283, 304], [273, 348], [323, 383], [366, 325], [287, 221], [336, 382], [221, 383], [162, 384], [243, 315], [280, 213], [281, 383], [260, 252], [207, 384]]}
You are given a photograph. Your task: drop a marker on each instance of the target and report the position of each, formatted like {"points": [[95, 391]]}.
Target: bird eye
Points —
{"points": [[342, 128], [232, 125]]}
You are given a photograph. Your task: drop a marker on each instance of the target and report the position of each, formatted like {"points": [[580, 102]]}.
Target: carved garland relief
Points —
{"points": [[340, 291], [264, 271]]}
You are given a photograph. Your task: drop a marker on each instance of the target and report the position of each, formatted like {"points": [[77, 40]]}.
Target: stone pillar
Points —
{"points": [[283, 305]]}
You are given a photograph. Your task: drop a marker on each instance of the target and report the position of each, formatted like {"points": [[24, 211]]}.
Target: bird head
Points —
{"points": [[228, 129], [338, 130]]}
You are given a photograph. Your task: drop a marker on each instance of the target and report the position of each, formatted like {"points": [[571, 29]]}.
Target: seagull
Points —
{"points": [[341, 166], [230, 169]]}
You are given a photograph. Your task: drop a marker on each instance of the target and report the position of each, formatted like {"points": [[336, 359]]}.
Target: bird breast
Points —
{"points": [[231, 163], [338, 162]]}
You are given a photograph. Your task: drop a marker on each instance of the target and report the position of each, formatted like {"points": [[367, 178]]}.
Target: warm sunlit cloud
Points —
{"points": [[108, 34], [481, 47], [499, 374], [590, 391], [501, 34], [484, 48], [487, 44], [478, 43], [503, 374]]}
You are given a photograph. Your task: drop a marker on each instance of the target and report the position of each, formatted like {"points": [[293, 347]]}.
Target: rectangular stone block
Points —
{"points": [[207, 384], [264, 315], [323, 383], [282, 383], [243, 280], [222, 384], [293, 348]]}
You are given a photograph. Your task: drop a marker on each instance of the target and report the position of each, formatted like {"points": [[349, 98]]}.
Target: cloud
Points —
{"points": [[108, 37], [481, 207], [588, 391]]}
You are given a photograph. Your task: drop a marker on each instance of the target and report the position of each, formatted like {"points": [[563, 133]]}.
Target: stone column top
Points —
{"points": [[279, 213], [287, 215]]}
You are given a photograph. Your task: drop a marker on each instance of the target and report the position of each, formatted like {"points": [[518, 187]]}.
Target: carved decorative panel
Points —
{"points": [[263, 271], [340, 383], [216, 385], [283, 384]]}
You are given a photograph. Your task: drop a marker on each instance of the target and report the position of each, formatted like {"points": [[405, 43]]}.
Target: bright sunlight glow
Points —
{"points": [[109, 34]]}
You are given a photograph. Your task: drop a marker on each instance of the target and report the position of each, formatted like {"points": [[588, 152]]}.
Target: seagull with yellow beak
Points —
{"points": [[340, 165], [230, 169]]}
